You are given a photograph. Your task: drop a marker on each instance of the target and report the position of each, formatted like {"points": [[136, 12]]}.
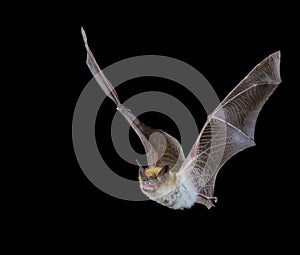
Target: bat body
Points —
{"points": [[173, 195], [177, 181]]}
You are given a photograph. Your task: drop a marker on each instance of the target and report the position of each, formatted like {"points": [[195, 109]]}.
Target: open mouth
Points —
{"points": [[148, 186]]}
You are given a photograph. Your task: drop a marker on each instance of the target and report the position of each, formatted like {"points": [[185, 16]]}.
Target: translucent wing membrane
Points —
{"points": [[230, 128], [161, 148]]}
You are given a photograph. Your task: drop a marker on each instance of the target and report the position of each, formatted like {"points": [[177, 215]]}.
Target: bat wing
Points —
{"points": [[161, 148], [230, 128]]}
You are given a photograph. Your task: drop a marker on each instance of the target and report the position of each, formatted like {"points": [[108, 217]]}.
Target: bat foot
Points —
{"points": [[214, 199]]}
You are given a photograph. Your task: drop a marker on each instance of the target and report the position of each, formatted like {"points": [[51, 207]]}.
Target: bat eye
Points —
{"points": [[150, 178]]}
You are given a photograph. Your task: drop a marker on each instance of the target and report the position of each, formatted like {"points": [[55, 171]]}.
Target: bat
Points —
{"points": [[179, 182]]}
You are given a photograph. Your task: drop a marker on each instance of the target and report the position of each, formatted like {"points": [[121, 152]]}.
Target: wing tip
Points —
{"points": [[83, 34], [84, 37], [270, 66], [276, 53], [88, 51], [276, 56]]}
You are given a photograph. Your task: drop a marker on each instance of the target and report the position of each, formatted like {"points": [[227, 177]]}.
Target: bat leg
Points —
{"points": [[214, 199]]}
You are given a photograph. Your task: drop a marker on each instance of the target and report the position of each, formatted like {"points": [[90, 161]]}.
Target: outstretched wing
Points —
{"points": [[161, 148], [230, 128]]}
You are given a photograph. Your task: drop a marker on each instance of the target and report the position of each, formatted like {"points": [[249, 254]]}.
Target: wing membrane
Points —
{"points": [[161, 148], [230, 128]]}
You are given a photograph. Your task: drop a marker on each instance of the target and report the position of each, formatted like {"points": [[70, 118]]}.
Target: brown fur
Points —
{"points": [[169, 183], [152, 171]]}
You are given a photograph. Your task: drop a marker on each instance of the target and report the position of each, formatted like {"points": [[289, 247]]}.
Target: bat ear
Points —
{"points": [[165, 169], [141, 170]]}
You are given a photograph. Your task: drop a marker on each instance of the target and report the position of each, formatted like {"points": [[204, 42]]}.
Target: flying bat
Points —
{"points": [[179, 182]]}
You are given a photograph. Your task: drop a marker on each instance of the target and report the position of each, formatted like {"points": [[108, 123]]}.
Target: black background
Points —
{"points": [[255, 190]]}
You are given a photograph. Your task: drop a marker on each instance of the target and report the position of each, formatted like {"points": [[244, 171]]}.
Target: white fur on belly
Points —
{"points": [[184, 196]]}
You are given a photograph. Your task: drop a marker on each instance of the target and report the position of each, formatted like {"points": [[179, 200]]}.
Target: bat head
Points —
{"points": [[155, 180]]}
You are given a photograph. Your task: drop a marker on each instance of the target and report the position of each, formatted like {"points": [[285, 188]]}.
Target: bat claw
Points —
{"points": [[214, 199], [120, 107]]}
